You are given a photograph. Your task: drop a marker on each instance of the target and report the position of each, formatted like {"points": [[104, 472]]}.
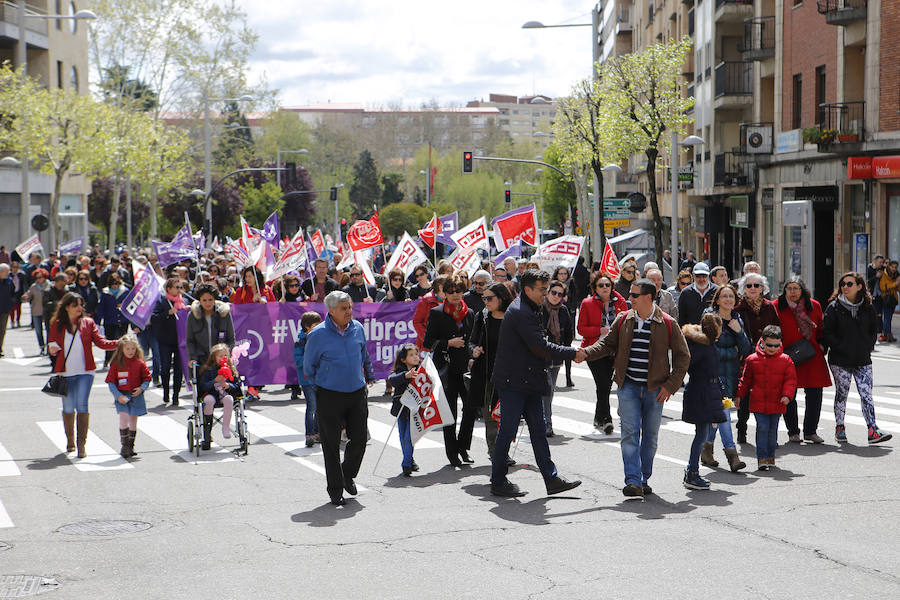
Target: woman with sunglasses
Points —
{"points": [[561, 274], [287, 289], [84, 287], [598, 311], [423, 284], [109, 315], [72, 338], [627, 276], [446, 336], [757, 313], [801, 319], [557, 323], [685, 278], [849, 326], [396, 290]]}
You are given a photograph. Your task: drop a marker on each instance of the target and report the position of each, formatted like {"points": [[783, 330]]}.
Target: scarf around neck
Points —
{"points": [[853, 307], [177, 301], [804, 323], [459, 313], [755, 305], [553, 326]]}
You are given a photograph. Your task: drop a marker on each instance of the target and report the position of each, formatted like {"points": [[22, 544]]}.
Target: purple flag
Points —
{"points": [[514, 251], [449, 223], [138, 304], [272, 329], [270, 229], [180, 248], [311, 257], [72, 247]]}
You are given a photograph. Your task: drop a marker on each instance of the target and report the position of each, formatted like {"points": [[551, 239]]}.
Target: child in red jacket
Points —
{"points": [[128, 378], [771, 380]]}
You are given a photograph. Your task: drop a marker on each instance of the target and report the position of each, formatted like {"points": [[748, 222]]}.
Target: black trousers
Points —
{"points": [[602, 370], [454, 389], [744, 415], [169, 360], [810, 416], [472, 405], [333, 409]]}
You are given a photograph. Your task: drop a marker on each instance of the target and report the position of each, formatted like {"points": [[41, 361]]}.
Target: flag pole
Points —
{"points": [[390, 433]]}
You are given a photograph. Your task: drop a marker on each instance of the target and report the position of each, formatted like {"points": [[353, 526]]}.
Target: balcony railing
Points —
{"points": [[728, 170], [847, 119], [721, 3], [9, 13], [734, 78], [843, 12], [757, 138], [759, 38]]}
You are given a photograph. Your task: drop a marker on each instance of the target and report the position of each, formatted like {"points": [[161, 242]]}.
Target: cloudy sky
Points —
{"points": [[414, 51]]}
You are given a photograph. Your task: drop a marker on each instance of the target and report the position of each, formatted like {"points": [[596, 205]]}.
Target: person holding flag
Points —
{"points": [[254, 288], [320, 285], [520, 376]]}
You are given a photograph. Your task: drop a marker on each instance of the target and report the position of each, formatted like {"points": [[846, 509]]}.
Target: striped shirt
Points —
{"points": [[639, 358]]}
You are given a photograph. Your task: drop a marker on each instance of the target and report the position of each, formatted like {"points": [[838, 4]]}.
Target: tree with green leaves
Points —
{"points": [[365, 190], [558, 191], [260, 202], [641, 92], [391, 191], [236, 141], [404, 216]]}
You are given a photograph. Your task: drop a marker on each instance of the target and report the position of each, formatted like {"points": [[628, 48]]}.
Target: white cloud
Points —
{"points": [[416, 51]]}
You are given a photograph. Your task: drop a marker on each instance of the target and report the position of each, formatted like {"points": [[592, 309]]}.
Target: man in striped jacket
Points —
{"points": [[641, 340]]}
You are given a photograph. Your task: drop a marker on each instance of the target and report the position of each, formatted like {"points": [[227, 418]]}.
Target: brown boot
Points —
{"points": [[706, 455], [124, 437], [734, 461], [131, 436], [82, 421], [69, 425]]}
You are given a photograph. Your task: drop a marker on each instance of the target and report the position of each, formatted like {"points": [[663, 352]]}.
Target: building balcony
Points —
{"points": [[36, 30], [730, 171], [757, 139], [843, 12], [733, 11], [841, 127], [759, 39], [733, 85]]}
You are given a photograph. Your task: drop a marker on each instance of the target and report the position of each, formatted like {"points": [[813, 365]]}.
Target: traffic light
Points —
{"points": [[334, 194], [467, 161], [290, 174], [343, 226], [508, 195]]}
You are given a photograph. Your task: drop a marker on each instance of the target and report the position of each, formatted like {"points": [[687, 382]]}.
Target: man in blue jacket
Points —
{"points": [[337, 362], [520, 377]]}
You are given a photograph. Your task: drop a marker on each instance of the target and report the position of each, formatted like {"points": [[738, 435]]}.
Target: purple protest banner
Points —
{"points": [[449, 225], [72, 247], [272, 329], [138, 304]]}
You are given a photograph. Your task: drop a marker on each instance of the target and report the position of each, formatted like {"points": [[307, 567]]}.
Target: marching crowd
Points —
{"points": [[498, 339]]}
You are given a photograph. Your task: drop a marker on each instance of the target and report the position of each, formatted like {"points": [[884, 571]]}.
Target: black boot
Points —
{"points": [[123, 435], [207, 432], [175, 393], [165, 387]]}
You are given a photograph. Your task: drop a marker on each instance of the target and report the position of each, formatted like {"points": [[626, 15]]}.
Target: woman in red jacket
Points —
{"points": [[254, 288], [72, 336], [801, 318], [598, 311]]}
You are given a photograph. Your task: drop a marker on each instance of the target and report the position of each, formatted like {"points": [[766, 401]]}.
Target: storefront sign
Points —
{"points": [[886, 167], [823, 196], [861, 251], [859, 167], [740, 210], [788, 141]]}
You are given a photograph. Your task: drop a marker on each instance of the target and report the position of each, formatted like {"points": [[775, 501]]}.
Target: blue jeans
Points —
{"points": [[887, 314], [79, 392], [724, 430], [309, 392], [149, 340], [514, 404], [552, 374], [640, 415], [766, 435], [405, 440], [701, 434], [38, 324]]}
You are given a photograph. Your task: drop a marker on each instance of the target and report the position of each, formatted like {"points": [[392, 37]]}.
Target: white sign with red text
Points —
{"points": [[406, 257], [560, 252], [426, 401], [473, 236]]}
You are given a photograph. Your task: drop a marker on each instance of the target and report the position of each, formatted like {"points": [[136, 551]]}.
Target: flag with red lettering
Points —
{"points": [[609, 264], [318, 242], [292, 258], [428, 233], [426, 401], [517, 224], [473, 236], [560, 252], [406, 257], [365, 234], [32, 244], [465, 261]]}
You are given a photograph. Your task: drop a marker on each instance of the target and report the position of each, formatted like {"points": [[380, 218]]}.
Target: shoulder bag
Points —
{"points": [[800, 351], [57, 385]]}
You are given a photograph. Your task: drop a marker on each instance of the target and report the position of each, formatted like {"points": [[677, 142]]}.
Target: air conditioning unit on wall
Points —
{"points": [[759, 139]]}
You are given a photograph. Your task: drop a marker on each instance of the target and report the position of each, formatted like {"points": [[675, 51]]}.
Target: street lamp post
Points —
{"points": [[691, 140], [207, 151], [278, 161], [427, 186], [21, 61]]}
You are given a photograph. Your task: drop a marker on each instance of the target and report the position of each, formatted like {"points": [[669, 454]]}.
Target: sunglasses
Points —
{"points": [[636, 294], [293, 285], [355, 274], [688, 282], [421, 275], [396, 279], [848, 283], [603, 285], [557, 294], [487, 297], [479, 283], [754, 285], [768, 345]]}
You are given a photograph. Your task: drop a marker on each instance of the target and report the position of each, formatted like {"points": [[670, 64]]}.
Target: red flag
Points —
{"points": [[365, 234], [431, 230], [609, 264]]}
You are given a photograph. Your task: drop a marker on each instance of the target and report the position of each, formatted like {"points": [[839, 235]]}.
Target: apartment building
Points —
{"points": [[57, 54], [524, 118]]}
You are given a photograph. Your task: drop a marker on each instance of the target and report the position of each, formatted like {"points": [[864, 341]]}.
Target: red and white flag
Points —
{"points": [[406, 257], [293, 257], [514, 225], [32, 244], [465, 261], [609, 264], [318, 242], [250, 236], [427, 403], [473, 236], [431, 230], [560, 252], [365, 234]]}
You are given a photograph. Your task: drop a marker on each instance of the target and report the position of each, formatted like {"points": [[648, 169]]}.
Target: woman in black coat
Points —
{"points": [[446, 336], [702, 402], [557, 324], [209, 323], [164, 325]]}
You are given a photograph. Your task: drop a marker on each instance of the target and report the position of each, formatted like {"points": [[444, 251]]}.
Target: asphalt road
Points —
{"points": [[166, 525]]}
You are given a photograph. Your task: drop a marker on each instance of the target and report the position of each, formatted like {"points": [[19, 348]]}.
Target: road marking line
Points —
{"points": [[172, 435], [8, 467], [5, 520], [100, 457], [18, 352]]}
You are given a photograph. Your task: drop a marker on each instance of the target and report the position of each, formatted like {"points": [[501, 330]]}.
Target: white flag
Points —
{"points": [[427, 403], [32, 244], [361, 258], [560, 252], [465, 261], [473, 236], [406, 257]]}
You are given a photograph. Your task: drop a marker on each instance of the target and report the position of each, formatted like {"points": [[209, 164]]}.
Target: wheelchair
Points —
{"points": [[238, 419]]}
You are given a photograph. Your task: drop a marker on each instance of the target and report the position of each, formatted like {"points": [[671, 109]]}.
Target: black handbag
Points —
{"points": [[58, 385], [800, 351]]}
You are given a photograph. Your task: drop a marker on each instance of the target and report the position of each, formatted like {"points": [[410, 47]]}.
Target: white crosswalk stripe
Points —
{"points": [[100, 456], [5, 520], [8, 466], [172, 435]]}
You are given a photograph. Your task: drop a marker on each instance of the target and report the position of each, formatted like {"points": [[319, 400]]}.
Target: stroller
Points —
{"points": [[195, 420]]}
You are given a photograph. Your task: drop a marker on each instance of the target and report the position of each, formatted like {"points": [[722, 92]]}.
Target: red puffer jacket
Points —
{"points": [[767, 379], [590, 317]]}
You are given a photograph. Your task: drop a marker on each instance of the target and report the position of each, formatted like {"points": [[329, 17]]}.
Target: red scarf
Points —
{"points": [[459, 313]]}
